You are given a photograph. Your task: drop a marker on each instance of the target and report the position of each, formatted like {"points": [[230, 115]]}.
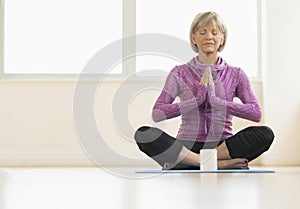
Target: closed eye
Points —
{"points": [[215, 32], [202, 32]]}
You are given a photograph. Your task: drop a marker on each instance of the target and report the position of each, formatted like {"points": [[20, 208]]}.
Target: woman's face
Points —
{"points": [[208, 39]]}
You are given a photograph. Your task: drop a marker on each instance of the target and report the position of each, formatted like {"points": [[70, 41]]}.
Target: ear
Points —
{"points": [[193, 38], [222, 40]]}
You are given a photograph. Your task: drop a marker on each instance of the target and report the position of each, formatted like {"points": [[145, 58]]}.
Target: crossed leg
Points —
{"points": [[234, 153], [187, 158]]}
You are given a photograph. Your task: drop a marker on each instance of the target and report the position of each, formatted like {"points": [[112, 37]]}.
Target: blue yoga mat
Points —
{"points": [[250, 170]]}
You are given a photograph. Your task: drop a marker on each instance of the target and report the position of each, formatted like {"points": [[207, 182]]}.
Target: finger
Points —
{"points": [[205, 78], [208, 70], [211, 80]]}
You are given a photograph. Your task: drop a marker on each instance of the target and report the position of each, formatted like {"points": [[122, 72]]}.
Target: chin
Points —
{"points": [[208, 51]]}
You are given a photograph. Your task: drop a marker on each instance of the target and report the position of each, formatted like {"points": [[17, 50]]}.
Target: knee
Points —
{"points": [[146, 134], [138, 135], [141, 130], [268, 135]]}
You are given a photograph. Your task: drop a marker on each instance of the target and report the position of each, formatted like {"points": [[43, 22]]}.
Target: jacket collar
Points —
{"points": [[199, 67]]}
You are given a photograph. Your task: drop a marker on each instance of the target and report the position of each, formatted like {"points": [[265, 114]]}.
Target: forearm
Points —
{"points": [[164, 109], [250, 111], [249, 108]]}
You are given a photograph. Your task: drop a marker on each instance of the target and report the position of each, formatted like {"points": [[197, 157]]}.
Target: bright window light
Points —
{"points": [[57, 36], [175, 17]]}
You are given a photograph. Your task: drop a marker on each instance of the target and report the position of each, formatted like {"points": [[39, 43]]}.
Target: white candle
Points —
{"points": [[208, 159]]}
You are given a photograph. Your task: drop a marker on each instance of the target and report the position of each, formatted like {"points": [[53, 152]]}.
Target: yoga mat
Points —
{"points": [[251, 170]]}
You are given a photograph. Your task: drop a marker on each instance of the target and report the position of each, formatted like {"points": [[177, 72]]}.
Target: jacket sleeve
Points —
{"points": [[164, 108], [249, 109]]}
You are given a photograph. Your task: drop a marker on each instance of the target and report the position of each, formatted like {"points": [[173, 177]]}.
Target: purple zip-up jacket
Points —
{"points": [[200, 121]]}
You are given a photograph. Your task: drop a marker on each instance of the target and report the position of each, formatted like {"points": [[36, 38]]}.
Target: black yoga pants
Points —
{"points": [[248, 143]]}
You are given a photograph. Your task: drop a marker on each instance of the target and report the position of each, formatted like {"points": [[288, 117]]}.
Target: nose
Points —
{"points": [[208, 36]]}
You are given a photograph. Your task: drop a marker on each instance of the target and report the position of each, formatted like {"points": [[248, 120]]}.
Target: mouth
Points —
{"points": [[208, 44]]}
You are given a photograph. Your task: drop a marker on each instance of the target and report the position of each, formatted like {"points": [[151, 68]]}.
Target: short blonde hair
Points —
{"points": [[203, 19]]}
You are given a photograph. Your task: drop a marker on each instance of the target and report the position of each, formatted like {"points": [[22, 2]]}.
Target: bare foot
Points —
{"points": [[177, 166], [236, 163], [169, 166]]}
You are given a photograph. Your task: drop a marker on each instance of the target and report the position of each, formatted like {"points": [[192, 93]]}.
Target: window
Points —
{"points": [[59, 37], [174, 18]]}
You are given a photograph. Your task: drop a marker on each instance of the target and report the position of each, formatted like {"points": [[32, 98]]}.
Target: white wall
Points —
{"points": [[37, 124], [281, 80], [37, 127]]}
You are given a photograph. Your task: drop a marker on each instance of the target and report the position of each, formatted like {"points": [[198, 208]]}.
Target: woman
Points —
{"points": [[206, 87]]}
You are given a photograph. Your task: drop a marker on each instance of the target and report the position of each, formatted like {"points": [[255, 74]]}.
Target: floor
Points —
{"points": [[122, 188]]}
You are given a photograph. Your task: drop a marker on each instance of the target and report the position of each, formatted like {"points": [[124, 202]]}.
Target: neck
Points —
{"points": [[209, 58]]}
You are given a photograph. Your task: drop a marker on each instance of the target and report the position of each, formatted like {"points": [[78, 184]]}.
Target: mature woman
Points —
{"points": [[206, 87]]}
